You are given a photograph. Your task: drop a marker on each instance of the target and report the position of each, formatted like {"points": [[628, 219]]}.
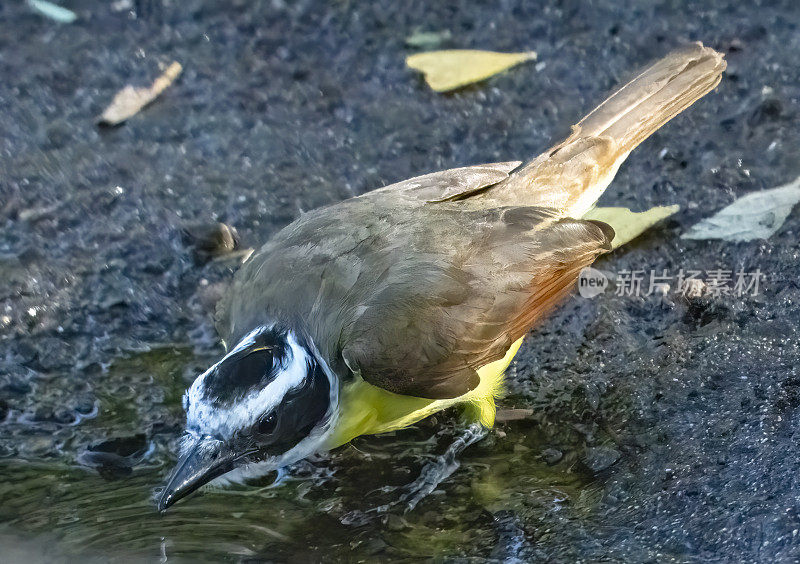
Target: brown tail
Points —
{"points": [[572, 175], [658, 94]]}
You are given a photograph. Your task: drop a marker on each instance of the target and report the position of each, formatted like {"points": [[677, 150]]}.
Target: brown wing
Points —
{"points": [[448, 184], [450, 307]]}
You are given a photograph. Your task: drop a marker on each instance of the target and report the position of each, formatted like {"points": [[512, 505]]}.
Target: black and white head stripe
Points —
{"points": [[252, 379]]}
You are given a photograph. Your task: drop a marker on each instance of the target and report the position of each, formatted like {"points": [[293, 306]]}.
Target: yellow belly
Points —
{"points": [[366, 409]]}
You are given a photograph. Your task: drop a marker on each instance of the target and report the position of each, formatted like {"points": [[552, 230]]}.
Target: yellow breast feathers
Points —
{"points": [[367, 410]]}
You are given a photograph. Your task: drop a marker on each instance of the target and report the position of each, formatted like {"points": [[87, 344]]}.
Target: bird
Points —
{"points": [[373, 313]]}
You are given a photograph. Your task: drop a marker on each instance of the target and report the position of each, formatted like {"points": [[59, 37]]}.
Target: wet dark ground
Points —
{"points": [[662, 430]]}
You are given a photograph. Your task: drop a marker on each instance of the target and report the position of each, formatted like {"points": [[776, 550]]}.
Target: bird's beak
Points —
{"points": [[205, 459]]}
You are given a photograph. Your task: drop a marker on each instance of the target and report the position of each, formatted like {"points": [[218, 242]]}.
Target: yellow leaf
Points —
{"points": [[130, 99], [627, 224], [448, 70]]}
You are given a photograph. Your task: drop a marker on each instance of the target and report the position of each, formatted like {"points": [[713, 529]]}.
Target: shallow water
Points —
{"points": [[343, 506]]}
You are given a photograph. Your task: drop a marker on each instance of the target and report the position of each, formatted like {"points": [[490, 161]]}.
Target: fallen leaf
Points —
{"points": [[628, 225], [451, 69], [754, 216], [130, 99], [52, 11], [427, 39]]}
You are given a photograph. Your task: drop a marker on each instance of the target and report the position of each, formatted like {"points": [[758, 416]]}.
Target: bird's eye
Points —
{"points": [[266, 425]]}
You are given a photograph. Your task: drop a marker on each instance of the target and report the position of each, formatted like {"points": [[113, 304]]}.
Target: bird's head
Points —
{"points": [[269, 402]]}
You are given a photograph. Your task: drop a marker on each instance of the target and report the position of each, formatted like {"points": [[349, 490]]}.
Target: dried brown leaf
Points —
{"points": [[130, 100]]}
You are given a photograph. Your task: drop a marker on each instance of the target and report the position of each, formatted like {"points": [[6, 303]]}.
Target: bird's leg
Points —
{"points": [[441, 468], [432, 474]]}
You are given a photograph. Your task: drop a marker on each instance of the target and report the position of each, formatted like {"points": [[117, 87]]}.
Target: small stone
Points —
{"points": [[396, 523], [17, 386], [40, 446], [552, 455], [600, 458], [114, 458], [374, 546], [84, 406], [210, 240], [64, 416]]}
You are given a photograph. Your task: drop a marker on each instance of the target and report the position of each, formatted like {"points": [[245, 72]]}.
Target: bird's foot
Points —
{"points": [[440, 468], [432, 474]]}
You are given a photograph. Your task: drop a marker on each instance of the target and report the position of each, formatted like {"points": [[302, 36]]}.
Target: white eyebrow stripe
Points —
{"points": [[218, 421], [195, 392]]}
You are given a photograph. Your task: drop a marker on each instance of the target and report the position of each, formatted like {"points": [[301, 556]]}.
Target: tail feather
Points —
{"points": [[655, 96], [572, 175]]}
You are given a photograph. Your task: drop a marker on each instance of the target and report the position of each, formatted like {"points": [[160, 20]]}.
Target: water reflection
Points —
{"points": [[307, 514]]}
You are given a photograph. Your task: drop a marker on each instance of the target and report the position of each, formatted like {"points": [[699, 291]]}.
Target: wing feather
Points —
{"points": [[428, 334], [449, 184]]}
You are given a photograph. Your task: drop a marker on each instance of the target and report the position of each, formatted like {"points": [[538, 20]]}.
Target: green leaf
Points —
{"points": [[627, 224], [754, 216], [427, 39], [52, 11], [451, 69]]}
